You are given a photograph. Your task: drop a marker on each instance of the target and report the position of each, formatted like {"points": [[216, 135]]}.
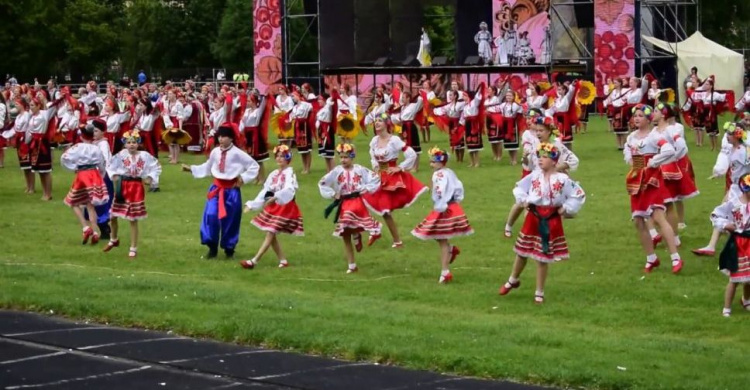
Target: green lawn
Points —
{"points": [[603, 324]]}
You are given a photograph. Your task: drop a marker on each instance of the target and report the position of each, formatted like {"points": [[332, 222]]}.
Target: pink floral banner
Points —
{"points": [[614, 41], [530, 16], [267, 36]]}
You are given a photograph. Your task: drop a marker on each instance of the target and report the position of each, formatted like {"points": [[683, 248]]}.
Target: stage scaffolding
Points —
{"points": [[668, 20]]}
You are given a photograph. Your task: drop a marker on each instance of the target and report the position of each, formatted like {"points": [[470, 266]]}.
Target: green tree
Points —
{"points": [[234, 46], [440, 24], [726, 22]]}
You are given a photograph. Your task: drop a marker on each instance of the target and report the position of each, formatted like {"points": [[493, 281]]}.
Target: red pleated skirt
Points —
{"points": [[356, 218], [443, 226], [88, 187], [397, 191], [742, 275], [133, 208], [529, 242], [277, 219]]}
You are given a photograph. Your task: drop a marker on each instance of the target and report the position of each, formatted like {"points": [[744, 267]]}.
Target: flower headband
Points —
{"points": [[546, 149], [744, 183], [665, 110], [735, 131], [346, 149], [132, 135], [384, 117], [647, 110], [287, 154], [438, 155], [534, 112]]}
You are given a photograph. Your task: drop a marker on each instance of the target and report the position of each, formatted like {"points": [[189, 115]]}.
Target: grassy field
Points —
{"points": [[604, 325]]}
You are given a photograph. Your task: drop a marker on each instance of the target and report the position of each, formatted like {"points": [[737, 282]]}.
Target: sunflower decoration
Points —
{"points": [[517, 97], [347, 127], [281, 125], [175, 135], [745, 183], [346, 149], [546, 149], [666, 96], [132, 135], [544, 85], [586, 92], [284, 150], [438, 155]]}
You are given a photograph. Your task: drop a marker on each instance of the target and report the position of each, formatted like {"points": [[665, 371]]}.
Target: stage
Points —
{"points": [[455, 69]]}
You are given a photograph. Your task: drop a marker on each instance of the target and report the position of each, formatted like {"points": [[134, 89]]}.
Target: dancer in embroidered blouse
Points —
{"points": [[614, 104], [303, 119], [447, 219], [19, 131], [743, 105], [493, 122], [543, 131], [87, 190], [231, 168], [346, 183], [325, 126], [37, 137], [129, 169], [549, 196], [733, 217], [646, 151], [254, 124], [472, 119], [398, 188], [512, 114], [280, 213], [561, 111], [405, 114], [733, 162], [707, 111]]}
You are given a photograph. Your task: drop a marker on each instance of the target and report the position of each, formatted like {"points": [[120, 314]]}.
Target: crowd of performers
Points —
{"points": [[113, 168]]}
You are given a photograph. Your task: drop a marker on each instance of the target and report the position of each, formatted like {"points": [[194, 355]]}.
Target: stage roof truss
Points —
{"points": [[674, 21], [292, 44]]}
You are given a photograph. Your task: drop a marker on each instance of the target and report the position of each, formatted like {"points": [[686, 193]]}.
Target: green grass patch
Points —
{"points": [[601, 313]]}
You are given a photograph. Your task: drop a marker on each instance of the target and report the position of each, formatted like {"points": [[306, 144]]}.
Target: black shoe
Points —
{"points": [[212, 253], [156, 189], [229, 253], [105, 231]]}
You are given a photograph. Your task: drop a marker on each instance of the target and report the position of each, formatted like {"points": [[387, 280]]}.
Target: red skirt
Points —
{"points": [[529, 242], [133, 206], [649, 198], [355, 218], [88, 187], [277, 219], [443, 226], [397, 191], [742, 275], [22, 150], [683, 187]]}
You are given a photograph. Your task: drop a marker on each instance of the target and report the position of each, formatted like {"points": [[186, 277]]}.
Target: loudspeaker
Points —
{"points": [[472, 60], [439, 61], [382, 61], [584, 13], [411, 61]]}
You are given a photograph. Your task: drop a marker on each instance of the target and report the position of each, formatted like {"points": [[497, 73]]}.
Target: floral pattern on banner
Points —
{"points": [[267, 37], [614, 41], [529, 16]]}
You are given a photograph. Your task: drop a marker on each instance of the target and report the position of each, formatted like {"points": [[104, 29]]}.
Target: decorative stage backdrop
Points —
{"points": [[268, 68], [614, 41], [529, 16]]}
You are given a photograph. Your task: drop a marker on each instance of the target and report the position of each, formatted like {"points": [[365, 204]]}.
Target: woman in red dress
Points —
{"points": [[398, 188]]}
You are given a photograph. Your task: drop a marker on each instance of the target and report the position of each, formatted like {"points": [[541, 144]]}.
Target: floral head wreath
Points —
{"points": [[132, 135], [284, 150], [346, 149], [744, 183], [665, 110], [534, 112], [547, 122], [746, 115], [438, 155], [546, 149], [735, 131], [647, 110]]}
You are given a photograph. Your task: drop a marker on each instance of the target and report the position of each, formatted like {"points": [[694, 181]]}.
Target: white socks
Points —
{"points": [[651, 258], [726, 312], [675, 258], [512, 280], [653, 233], [677, 241], [445, 272], [352, 265], [508, 228]]}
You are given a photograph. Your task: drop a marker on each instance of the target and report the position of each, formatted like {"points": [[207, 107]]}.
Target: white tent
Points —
{"points": [[709, 57]]}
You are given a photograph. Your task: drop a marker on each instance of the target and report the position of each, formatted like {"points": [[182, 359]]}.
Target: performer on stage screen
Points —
{"points": [[423, 56], [483, 39], [447, 219], [346, 184], [280, 213], [231, 168]]}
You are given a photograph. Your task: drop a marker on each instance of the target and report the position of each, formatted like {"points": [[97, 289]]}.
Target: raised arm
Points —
{"points": [[722, 216]]}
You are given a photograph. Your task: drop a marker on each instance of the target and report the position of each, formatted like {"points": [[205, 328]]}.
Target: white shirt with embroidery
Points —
{"points": [[236, 163], [390, 152], [82, 154], [344, 181], [653, 144], [445, 188], [283, 185], [733, 211], [558, 190], [141, 164]]}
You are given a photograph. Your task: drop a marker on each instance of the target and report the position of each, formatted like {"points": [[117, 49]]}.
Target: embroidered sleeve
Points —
{"points": [[666, 153], [441, 191], [287, 192], [68, 159], [722, 216], [370, 180], [574, 195], [250, 168], [152, 168], [522, 188], [260, 199], [327, 184]]}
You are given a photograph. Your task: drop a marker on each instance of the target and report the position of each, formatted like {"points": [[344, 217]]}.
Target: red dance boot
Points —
{"points": [[505, 289], [650, 266]]}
